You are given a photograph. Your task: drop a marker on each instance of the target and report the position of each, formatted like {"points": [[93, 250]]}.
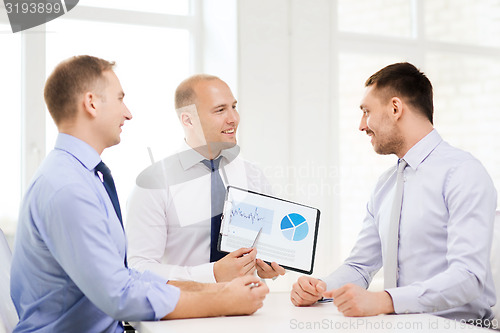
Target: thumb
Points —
{"points": [[320, 287], [238, 253], [329, 294]]}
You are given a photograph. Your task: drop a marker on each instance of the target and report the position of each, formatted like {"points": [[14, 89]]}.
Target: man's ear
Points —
{"points": [[90, 104], [397, 107], [186, 119]]}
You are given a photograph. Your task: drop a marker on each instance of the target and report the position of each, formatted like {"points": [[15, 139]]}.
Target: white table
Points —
{"points": [[279, 315]]}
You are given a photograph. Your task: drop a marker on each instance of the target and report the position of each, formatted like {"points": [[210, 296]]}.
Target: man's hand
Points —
{"points": [[266, 272], [355, 301], [242, 296], [307, 291], [237, 263]]}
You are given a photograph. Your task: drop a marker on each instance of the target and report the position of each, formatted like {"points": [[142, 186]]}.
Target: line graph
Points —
{"points": [[252, 217]]}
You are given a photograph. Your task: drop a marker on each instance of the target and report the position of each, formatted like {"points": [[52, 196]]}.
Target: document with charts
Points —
{"points": [[288, 230]]}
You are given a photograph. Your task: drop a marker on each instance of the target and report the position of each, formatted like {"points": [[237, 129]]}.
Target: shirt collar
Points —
{"points": [[190, 157], [419, 152], [79, 149]]}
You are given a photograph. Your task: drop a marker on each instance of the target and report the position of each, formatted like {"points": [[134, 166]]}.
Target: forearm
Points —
{"points": [[197, 304], [196, 286], [242, 296]]}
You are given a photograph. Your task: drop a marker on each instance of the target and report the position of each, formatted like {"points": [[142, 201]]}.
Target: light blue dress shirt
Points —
{"points": [[446, 229], [68, 272]]}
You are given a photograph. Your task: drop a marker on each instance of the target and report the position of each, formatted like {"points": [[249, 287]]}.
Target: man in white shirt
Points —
{"points": [[170, 212], [69, 270], [442, 248]]}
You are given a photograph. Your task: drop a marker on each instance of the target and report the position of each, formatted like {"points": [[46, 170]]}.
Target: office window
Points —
{"points": [[149, 70], [379, 17], [308, 64], [173, 7], [463, 21], [10, 128], [466, 90], [465, 79]]}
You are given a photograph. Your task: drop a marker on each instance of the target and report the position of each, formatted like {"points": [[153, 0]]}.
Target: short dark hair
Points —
{"points": [[72, 77], [407, 81]]}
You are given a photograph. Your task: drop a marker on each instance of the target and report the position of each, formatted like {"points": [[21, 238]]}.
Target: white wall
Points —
{"points": [[288, 108], [301, 70]]}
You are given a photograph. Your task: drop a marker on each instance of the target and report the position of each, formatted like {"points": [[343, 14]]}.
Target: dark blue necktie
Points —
{"points": [[218, 194], [109, 185]]}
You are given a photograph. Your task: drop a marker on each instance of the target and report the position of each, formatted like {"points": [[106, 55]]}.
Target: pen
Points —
{"points": [[257, 237]]}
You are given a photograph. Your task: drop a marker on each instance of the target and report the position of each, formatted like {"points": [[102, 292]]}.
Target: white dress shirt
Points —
{"points": [[445, 239], [169, 212]]}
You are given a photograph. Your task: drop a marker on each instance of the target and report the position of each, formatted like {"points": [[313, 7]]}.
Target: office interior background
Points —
{"points": [[297, 68]]}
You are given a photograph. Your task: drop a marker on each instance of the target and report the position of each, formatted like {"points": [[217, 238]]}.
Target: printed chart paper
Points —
{"points": [[289, 230]]}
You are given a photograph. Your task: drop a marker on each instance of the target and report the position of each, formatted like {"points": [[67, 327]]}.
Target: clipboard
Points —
{"points": [[288, 230]]}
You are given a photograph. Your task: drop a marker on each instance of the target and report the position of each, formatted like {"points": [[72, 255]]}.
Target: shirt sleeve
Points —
{"points": [[364, 260], [148, 236], [471, 200], [77, 234]]}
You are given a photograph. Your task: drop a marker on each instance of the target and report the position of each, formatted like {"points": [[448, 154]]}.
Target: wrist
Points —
{"points": [[386, 304]]}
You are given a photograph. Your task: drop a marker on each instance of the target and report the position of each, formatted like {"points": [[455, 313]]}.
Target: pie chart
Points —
{"points": [[294, 227]]}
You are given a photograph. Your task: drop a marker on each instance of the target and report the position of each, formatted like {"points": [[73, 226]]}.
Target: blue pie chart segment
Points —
{"points": [[294, 227], [288, 233]]}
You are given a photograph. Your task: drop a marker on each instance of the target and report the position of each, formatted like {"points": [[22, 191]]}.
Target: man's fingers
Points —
{"points": [[340, 298], [321, 286], [249, 258], [307, 285], [238, 253], [278, 269], [297, 297], [304, 295], [249, 270], [335, 293], [329, 294], [261, 290], [301, 298], [263, 266], [344, 307]]}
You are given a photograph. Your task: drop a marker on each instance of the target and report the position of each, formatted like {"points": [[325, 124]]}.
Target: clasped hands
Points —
{"points": [[350, 299], [244, 262]]}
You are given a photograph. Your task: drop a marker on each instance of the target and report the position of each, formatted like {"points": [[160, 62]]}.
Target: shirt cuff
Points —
{"points": [[406, 300], [162, 296], [204, 273]]}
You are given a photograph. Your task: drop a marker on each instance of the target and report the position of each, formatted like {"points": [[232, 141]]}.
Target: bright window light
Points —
{"points": [[377, 17], [10, 129], [151, 62], [174, 7]]}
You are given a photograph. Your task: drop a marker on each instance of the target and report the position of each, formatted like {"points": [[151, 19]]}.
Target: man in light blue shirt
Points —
{"points": [[446, 218], [69, 271]]}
